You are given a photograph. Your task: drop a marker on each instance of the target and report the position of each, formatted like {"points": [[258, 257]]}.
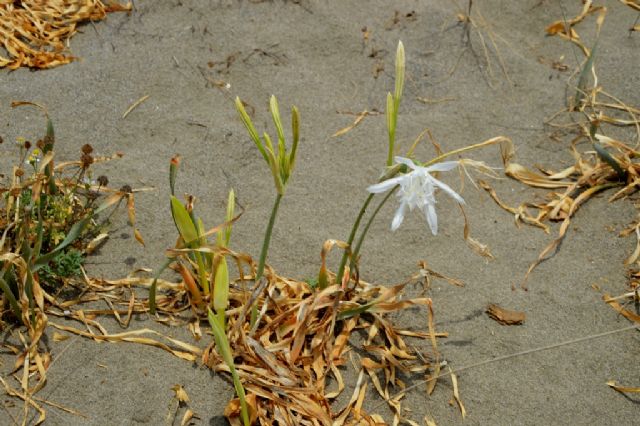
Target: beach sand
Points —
{"points": [[312, 54]]}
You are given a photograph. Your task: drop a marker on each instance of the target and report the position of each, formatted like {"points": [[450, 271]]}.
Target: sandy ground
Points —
{"points": [[312, 54]]}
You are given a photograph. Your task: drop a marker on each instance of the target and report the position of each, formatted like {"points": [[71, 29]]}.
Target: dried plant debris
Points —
{"points": [[505, 316], [300, 342], [623, 389], [471, 18], [359, 117], [52, 213], [635, 5], [631, 299], [36, 33], [602, 162], [292, 357]]}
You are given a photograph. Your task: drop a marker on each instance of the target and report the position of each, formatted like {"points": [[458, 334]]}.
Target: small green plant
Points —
{"points": [[281, 162], [48, 217], [202, 265], [67, 264], [204, 270]]}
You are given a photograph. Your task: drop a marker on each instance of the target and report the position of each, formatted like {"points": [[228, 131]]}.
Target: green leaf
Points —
{"points": [[154, 286], [400, 68], [295, 131], [391, 127], [584, 75], [227, 356], [74, 233], [275, 167], [15, 307], [608, 158], [183, 222], [48, 147], [39, 232], [348, 313], [275, 113], [250, 128], [231, 205], [50, 136], [323, 279], [173, 171], [221, 286]]}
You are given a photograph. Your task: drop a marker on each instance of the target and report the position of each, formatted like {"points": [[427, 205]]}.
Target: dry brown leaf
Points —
{"points": [[181, 394], [623, 389], [620, 309], [359, 117], [135, 105], [189, 352], [36, 33], [456, 393], [232, 410], [59, 337], [505, 316]]}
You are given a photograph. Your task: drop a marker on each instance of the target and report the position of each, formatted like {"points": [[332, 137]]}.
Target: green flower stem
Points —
{"points": [[352, 236], [391, 172], [267, 237], [356, 251]]}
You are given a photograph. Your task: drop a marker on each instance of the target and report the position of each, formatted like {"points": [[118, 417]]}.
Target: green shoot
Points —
{"points": [[222, 343]]}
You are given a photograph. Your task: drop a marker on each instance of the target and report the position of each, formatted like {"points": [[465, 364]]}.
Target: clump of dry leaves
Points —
{"points": [[36, 33], [292, 358], [601, 161]]}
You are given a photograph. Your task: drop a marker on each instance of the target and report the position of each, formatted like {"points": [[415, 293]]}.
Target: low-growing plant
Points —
{"points": [[49, 221], [280, 326], [202, 265]]}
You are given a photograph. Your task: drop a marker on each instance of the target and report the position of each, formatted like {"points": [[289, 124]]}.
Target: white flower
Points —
{"points": [[417, 190]]}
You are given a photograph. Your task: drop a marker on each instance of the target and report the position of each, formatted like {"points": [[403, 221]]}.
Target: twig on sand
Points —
{"points": [[135, 105]]}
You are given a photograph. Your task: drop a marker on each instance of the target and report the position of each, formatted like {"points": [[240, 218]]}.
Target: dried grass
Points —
{"points": [[601, 162], [36, 33]]}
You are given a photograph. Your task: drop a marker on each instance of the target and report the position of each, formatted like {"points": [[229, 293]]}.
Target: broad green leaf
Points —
{"points": [[183, 221]]}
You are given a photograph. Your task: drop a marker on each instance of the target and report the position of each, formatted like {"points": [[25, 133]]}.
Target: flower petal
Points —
{"points": [[444, 166], [446, 188], [406, 161], [399, 216], [385, 185], [432, 218]]}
